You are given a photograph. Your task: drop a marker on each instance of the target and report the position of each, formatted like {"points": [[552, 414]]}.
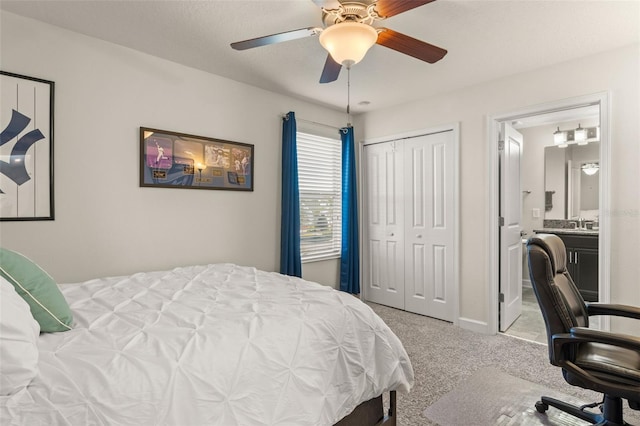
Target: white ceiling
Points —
{"points": [[486, 40]]}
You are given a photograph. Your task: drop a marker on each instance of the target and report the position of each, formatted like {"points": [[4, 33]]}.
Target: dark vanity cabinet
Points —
{"points": [[582, 263], [582, 259]]}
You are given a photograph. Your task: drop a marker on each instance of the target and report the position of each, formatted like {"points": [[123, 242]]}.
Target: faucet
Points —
{"points": [[580, 223]]}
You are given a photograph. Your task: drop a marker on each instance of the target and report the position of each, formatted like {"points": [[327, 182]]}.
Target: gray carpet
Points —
{"points": [[444, 356]]}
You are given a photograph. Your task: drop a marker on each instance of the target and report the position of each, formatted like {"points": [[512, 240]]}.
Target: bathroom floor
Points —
{"points": [[530, 324]]}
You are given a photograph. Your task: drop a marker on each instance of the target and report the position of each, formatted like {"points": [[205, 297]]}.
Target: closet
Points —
{"points": [[409, 188]]}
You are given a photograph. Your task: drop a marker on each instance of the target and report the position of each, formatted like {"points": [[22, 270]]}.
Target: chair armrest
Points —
{"points": [[613, 310], [597, 336], [579, 335], [585, 335]]}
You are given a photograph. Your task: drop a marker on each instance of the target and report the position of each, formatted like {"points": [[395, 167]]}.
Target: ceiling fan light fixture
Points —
{"points": [[348, 42]]}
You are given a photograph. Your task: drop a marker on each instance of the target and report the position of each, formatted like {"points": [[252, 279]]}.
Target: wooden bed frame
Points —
{"points": [[371, 413]]}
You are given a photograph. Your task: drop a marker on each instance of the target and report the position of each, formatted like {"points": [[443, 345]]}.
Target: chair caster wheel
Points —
{"points": [[541, 407]]}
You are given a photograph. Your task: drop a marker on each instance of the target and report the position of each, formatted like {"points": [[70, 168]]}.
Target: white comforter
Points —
{"points": [[210, 345]]}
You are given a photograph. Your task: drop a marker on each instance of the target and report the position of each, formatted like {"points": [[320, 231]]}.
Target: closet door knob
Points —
{"points": [[419, 235], [391, 234]]}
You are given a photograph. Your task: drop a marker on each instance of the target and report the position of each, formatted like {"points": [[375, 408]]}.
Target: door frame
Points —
{"points": [[604, 243], [455, 128]]}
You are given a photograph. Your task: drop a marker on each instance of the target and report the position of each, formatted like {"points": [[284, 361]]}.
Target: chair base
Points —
{"points": [[611, 411]]}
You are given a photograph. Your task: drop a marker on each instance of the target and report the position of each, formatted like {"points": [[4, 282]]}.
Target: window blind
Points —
{"points": [[319, 179]]}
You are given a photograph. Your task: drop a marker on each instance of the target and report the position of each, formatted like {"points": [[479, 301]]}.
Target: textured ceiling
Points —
{"points": [[486, 40]]}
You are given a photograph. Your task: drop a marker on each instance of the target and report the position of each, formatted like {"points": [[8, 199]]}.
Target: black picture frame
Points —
{"points": [[171, 159], [26, 148]]}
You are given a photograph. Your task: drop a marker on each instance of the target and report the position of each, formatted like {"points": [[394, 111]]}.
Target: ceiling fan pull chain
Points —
{"points": [[348, 96]]}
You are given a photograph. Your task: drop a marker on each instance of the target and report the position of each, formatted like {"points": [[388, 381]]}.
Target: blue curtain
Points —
{"points": [[349, 257], [290, 262]]}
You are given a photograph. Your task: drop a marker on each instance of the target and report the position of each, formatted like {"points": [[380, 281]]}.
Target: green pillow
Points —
{"points": [[38, 289]]}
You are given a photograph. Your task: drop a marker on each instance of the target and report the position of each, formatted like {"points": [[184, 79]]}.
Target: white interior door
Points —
{"points": [[429, 225], [510, 227], [383, 274]]}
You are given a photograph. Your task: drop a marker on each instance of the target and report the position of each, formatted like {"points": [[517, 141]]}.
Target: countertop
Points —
{"points": [[567, 231]]}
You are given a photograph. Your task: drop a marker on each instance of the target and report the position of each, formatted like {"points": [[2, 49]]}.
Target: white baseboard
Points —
{"points": [[474, 325]]}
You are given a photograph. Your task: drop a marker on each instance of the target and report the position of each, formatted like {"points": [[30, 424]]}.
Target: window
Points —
{"points": [[319, 176]]}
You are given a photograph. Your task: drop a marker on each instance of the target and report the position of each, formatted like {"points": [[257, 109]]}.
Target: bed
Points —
{"points": [[216, 344]]}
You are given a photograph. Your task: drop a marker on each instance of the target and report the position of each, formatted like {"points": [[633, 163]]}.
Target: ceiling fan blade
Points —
{"points": [[410, 46], [331, 70], [327, 4], [387, 8], [275, 38]]}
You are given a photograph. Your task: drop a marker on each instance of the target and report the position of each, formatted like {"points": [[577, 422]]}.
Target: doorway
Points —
{"points": [[528, 117]]}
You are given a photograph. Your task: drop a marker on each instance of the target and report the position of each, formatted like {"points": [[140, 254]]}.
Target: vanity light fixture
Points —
{"points": [[580, 135], [559, 137], [590, 169]]}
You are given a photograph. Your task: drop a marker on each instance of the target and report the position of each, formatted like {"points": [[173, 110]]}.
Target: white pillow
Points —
{"points": [[19, 333]]}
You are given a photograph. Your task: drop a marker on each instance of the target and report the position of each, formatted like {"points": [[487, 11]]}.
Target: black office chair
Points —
{"points": [[605, 362]]}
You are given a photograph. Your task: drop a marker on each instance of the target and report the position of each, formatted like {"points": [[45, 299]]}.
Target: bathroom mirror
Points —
{"points": [[570, 192]]}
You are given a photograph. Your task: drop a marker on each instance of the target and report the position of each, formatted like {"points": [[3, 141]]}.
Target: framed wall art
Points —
{"points": [[178, 160], [26, 148]]}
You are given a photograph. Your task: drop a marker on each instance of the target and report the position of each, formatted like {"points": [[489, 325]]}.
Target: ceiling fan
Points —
{"points": [[349, 32]]}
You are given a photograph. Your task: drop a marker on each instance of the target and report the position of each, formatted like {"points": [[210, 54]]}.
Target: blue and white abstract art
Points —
{"points": [[26, 148]]}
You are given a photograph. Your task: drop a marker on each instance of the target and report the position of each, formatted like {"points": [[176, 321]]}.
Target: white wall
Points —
{"points": [[105, 223], [615, 71]]}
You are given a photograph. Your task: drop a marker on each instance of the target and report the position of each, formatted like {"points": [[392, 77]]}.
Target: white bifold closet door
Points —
{"points": [[409, 232], [383, 269]]}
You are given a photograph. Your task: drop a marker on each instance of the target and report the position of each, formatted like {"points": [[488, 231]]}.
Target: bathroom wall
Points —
{"points": [[536, 139]]}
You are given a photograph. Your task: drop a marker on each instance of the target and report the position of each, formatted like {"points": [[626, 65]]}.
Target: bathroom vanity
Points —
{"points": [[582, 258]]}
